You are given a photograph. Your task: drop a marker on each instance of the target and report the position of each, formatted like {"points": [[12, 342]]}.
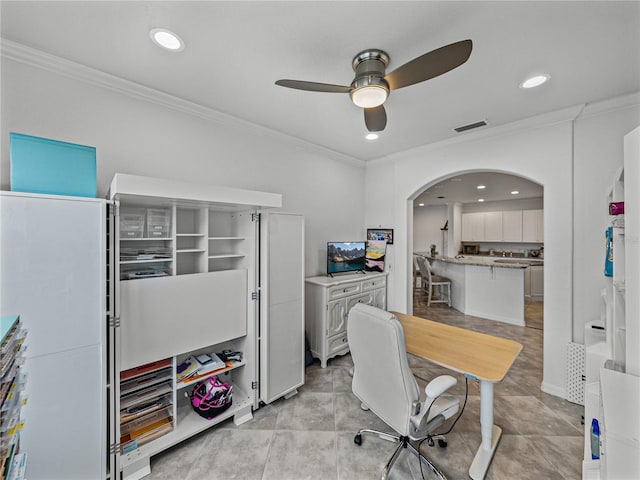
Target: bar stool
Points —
{"points": [[430, 281]]}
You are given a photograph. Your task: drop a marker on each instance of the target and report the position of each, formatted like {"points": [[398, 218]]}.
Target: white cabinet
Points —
{"points": [[537, 282], [493, 226], [533, 226], [192, 280], [282, 304], [508, 226], [482, 227], [512, 226], [327, 304], [54, 274], [473, 227]]}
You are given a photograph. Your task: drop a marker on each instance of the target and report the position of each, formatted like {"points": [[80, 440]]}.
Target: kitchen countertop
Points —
{"points": [[487, 261]]}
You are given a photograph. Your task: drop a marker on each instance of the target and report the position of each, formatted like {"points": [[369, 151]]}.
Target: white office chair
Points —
{"points": [[430, 282], [384, 383]]}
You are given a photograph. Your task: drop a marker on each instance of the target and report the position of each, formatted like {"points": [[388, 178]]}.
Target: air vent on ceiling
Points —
{"points": [[471, 126]]}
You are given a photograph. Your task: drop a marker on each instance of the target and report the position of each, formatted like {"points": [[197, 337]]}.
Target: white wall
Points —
{"points": [[136, 136], [427, 222], [571, 166]]}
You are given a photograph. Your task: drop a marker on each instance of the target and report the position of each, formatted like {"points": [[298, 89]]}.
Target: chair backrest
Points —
{"points": [[382, 379], [425, 268]]}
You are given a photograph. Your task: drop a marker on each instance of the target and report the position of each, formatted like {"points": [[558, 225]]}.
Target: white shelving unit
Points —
{"points": [[206, 300], [605, 388]]}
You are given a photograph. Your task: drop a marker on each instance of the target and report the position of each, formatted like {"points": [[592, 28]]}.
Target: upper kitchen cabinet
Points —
{"points": [[473, 227], [512, 226], [533, 226], [482, 227], [509, 226], [493, 226]]}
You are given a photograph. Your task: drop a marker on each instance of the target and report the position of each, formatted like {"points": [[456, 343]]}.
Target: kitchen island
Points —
{"points": [[486, 287]]}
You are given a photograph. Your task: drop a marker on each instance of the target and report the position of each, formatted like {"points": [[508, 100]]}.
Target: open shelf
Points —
{"points": [[194, 380]]}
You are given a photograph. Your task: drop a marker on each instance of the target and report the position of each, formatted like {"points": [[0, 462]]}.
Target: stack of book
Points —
{"points": [[11, 397], [198, 366], [146, 407]]}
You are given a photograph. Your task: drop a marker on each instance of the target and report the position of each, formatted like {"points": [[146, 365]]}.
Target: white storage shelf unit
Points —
{"points": [[202, 303], [612, 397]]}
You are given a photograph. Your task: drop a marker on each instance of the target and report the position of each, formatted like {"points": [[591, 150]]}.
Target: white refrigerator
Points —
{"points": [[53, 273]]}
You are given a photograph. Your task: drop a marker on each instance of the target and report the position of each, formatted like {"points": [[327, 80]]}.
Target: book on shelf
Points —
{"points": [[144, 381], [143, 409], [146, 368], [138, 438], [198, 365], [145, 396]]}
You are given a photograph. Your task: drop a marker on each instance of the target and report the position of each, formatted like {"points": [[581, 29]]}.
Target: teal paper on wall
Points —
{"points": [[41, 165]]}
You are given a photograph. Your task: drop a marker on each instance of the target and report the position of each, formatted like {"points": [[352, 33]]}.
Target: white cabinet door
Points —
{"points": [[336, 317], [537, 281], [533, 226], [282, 318], [527, 282], [473, 227], [493, 226], [380, 298], [512, 226]]}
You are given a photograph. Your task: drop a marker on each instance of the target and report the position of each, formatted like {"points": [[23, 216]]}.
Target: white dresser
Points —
{"points": [[327, 304]]}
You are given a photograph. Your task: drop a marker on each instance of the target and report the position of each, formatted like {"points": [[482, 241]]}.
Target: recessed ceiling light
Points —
{"points": [[371, 136], [480, 187], [481, 199], [535, 81], [167, 39], [421, 204], [515, 192]]}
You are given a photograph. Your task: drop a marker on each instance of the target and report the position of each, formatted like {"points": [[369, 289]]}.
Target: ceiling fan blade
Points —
{"points": [[430, 65], [313, 86], [375, 118]]}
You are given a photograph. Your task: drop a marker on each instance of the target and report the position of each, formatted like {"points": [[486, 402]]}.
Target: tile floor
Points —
{"points": [[310, 436]]}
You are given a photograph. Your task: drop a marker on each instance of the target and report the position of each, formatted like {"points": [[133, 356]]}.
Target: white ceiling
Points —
{"points": [[237, 50], [463, 189]]}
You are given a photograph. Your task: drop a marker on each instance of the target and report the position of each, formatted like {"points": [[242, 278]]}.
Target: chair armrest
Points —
{"points": [[434, 389], [439, 385]]}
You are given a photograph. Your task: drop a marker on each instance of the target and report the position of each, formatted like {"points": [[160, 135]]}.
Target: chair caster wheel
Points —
{"points": [[430, 442], [442, 443], [357, 439]]}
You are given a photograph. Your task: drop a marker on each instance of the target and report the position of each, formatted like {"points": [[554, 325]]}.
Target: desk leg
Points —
{"points": [[490, 433]]}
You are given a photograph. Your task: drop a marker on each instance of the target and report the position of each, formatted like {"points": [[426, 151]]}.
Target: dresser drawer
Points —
{"points": [[345, 290], [373, 284], [338, 344]]}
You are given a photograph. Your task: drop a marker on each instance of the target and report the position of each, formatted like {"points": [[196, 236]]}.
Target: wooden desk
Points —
{"points": [[477, 356]]}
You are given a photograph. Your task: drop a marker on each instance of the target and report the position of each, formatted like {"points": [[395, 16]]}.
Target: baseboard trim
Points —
{"points": [[554, 390]]}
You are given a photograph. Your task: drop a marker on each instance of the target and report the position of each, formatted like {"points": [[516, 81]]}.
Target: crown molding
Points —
{"points": [[543, 120], [610, 105], [36, 58]]}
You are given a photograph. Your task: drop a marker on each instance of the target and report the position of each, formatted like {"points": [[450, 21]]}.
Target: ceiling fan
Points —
{"points": [[371, 86]]}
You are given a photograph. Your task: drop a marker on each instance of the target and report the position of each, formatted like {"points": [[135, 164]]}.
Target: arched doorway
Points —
{"points": [[487, 218]]}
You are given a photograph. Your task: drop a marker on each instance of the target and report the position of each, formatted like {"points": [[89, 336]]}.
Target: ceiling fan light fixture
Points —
{"points": [[369, 96], [166, 39]]}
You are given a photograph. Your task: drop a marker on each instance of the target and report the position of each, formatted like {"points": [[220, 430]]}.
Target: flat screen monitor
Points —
{"points": [[345, 257]]}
